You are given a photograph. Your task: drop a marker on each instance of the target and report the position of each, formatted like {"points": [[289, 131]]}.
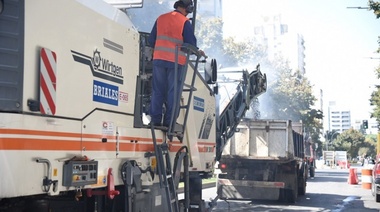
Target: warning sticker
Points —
{"points": [[107, 128]]}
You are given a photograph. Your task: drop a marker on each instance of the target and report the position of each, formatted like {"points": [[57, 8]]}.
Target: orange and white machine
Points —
{"points": [[74, 90]]}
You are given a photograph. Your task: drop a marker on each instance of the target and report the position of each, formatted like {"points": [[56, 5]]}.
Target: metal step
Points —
{"points": [[189, 50]]}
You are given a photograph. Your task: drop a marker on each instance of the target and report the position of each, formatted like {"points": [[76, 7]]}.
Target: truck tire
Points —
{"points": [[302, 180], [302, 187], [291, 194]]}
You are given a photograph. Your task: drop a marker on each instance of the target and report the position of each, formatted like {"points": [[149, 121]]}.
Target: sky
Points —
{"points": [[338, 44]]}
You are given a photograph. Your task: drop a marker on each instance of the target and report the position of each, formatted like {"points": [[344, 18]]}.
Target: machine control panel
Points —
{"points": [[80, 173]]}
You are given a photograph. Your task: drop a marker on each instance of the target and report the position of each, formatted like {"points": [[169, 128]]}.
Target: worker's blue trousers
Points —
{"points": [[163, 93]]}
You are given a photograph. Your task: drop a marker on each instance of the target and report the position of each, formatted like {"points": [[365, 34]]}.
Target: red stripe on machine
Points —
{"points": [[48, 81], [47, 96]]}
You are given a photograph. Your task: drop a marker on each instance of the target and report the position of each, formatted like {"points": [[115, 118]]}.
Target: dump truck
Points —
{"points": [[309, 153], [341, 160], [264, 160], [336, 159], [75, 91]]}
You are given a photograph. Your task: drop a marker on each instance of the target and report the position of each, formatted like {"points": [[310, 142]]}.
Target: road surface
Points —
{"points": [[327, 191]]}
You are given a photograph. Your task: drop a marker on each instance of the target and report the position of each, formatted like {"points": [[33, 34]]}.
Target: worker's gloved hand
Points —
{"points": [[202, 53]]}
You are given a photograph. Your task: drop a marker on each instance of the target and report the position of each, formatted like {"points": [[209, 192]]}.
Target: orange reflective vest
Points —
{"points": [[169, 36]]}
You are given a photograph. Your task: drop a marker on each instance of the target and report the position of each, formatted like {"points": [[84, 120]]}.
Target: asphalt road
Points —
{"points": [[327, 191]]}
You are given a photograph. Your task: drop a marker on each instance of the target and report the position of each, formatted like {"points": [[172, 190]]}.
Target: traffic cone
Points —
{"points": [[366, 178], [353, 177]]}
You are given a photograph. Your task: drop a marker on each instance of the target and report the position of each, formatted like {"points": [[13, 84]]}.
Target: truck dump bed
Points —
{"points": [[263, 160], [264, 139]]}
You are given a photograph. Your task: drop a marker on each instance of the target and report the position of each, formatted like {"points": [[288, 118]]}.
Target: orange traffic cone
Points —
{"points": [[353, 177]]}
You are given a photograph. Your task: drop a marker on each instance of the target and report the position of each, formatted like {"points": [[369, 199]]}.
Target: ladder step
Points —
{"points": [[176, 133], [190, 88]]}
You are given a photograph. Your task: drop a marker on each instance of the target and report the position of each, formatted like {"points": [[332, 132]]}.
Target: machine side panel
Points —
{"points": [[97, 56]]}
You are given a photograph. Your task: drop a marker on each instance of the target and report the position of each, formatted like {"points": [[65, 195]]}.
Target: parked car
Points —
{"points": [[376, 179], [369, 163]]}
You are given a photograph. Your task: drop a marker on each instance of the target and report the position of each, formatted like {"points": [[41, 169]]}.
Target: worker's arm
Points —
{"points": [[188, 34], [189, 37]]}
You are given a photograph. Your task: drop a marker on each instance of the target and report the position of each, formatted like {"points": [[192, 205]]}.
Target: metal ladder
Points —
{"points": [[177, 129], [169, 179]]}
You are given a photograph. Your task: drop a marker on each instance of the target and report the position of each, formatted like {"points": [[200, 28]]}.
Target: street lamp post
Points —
{"points": [[327, 139]]}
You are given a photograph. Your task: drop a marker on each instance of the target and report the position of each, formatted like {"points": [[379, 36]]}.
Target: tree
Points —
{"points": [[375, 96], [375, 99], [228, 51], [210, 36], [292, 96], [351, 141], [152, 7], [375, 6], [370, 143]]}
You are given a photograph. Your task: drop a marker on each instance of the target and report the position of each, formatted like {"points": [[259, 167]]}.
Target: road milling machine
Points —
{"points": [[75, 88]]}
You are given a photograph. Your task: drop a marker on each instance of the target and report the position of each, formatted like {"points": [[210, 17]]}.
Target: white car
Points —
{"points": [[369, 164]]}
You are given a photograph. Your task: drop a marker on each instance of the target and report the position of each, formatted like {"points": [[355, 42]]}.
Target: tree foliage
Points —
{"points": [[210, 36], [227, 51], [375, 96], [371, 141], [292, 96], [375, 7], [152, 7], [355, 143]]}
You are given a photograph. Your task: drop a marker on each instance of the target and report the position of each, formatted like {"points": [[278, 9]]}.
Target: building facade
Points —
{"points": [[339, 118]]}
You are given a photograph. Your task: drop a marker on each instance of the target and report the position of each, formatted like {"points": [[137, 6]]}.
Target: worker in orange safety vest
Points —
{"points": [[170, 30]]}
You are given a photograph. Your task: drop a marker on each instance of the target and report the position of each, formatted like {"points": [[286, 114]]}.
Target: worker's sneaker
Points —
{"points": [[146, 119]]}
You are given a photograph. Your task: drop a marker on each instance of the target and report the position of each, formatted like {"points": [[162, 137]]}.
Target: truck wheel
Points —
{"points": [[302, 187], [377, 198], [292, 194]]}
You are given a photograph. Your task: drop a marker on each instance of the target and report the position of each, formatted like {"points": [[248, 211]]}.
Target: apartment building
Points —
{"points": [[339, 118]]}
